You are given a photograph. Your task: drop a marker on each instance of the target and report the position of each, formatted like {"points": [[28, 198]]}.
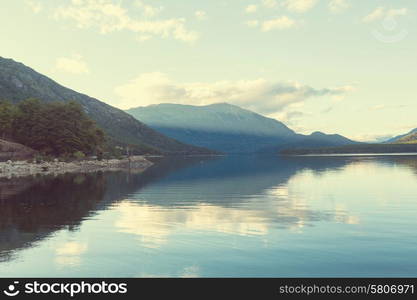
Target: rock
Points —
{"points": [[15, 151], [24, 168]]}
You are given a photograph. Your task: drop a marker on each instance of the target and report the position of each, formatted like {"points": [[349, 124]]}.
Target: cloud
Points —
{"points": [[377, 14], [269, 3], [299, 6], [148, 10], [259, 95], [252, 23], [278, 23], [201, 15], [73, 65], [109, 16], [381, 13], [337, 6], [35, 6], [251, 9], [291, 117]]}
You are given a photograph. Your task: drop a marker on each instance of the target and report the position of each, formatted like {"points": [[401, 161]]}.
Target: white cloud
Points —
{"points": [[397, 12], [201, 15], [148, 10], [74, 65], [35, 6], [290, 115], [299, 6], [377, 14], [269, 3], [252, 23], [259, 95], [381, 13], [109, 16], [280, 23], [251, 9], [337, 6]]}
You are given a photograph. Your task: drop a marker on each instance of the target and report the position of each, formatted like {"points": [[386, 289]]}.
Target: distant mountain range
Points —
{"points": [[405, 143], [19, 82], [229, 128]]}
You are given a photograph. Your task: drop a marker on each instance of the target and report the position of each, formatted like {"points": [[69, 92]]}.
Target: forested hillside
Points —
{"points": [[56, 129]]}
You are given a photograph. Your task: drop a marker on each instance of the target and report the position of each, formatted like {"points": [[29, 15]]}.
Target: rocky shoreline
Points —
{"points": [[11, 169]]}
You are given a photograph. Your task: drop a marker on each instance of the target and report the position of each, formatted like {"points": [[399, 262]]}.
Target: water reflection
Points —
{"points": [[193, 198], [32, 208], [234, 195]]}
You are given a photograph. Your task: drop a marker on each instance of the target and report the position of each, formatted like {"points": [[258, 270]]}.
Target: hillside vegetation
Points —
{"points": [[408, 139], [56, 129], [399, 137]]}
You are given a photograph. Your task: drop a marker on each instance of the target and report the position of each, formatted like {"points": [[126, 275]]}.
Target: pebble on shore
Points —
{"points": [[11, 169]]}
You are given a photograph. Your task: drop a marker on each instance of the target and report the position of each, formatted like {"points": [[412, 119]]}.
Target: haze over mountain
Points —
{"points": [[228, 128], [19, 82]]}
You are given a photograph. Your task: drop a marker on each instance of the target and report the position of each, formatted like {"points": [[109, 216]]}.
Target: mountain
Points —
{"points": [[228, 128], [408, 139], [320, 139], [19, 82], [223, 127], [315, 140], [410, 136], [354, 149]]}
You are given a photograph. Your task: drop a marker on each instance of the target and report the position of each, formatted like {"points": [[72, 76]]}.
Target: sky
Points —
{"points": [[337, 66]]}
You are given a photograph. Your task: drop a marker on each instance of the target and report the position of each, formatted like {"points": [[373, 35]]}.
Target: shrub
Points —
{"points": [[78, 155]]}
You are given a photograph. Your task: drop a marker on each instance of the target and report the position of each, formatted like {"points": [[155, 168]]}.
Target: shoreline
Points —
{"points": [[13, 169], [352, 154]]}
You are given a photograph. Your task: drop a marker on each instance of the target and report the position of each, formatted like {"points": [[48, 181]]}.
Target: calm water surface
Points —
{"points": [[232, 216]]}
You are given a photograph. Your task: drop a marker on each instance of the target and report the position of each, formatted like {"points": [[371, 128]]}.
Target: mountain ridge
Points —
{"points": [[228, 128], [19, 82]]}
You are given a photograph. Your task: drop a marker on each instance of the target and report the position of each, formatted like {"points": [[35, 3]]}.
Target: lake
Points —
{"points": [[235, 216]]}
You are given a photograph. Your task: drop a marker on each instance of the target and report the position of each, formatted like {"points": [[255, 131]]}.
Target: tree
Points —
{"points": [[7, 115], [56, 128]]}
